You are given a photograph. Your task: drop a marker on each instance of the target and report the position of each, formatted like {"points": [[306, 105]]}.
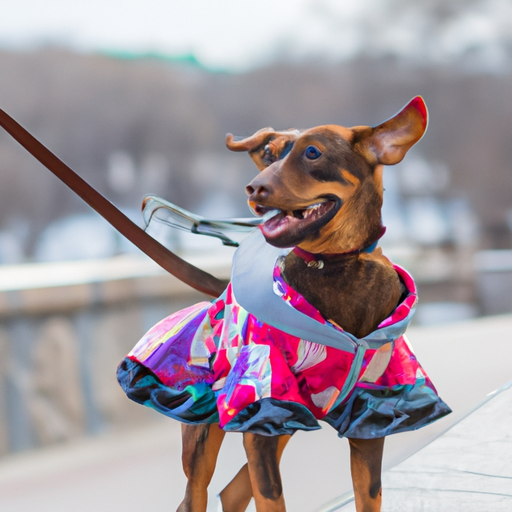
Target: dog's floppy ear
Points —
{"points": [[265, 146], [388, 142]]}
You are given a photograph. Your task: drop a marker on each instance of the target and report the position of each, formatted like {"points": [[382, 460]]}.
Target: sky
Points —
{"points": [[227, 33], [241, 34]]}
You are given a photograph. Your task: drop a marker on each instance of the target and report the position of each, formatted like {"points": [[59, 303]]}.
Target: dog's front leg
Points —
{"points": [[366, 465], [263, 456], [201, 444]]}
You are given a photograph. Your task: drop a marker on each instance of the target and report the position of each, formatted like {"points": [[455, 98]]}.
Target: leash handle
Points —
{"points": [[160, 210], [184, 271]]}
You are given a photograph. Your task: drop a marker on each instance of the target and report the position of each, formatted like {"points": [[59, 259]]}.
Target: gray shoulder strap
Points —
{"points": [[252, 281], [253, 287]]}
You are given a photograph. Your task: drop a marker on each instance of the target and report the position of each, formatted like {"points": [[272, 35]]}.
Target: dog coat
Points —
{"points": [[260, 358]]}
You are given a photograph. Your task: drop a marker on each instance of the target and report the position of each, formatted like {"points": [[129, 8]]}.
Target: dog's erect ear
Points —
{"points": [[388, 142], [251, 143], [265, 146]]}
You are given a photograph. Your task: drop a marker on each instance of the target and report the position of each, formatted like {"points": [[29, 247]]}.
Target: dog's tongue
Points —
{"points": [[292, 223], [277, 224]]}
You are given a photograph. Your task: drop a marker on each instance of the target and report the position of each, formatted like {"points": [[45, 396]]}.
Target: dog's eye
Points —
{"points": [[312, 153], [268, 157]]}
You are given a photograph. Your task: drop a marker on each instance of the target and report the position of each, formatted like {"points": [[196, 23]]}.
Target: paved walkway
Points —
{"points": [[469, 468], [141, 470]]}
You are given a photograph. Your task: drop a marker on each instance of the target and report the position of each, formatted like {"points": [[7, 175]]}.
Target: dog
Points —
{"points": [[320, 192]]}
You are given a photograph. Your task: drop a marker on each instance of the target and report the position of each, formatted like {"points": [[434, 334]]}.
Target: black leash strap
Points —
{"points": [[184, 271]]}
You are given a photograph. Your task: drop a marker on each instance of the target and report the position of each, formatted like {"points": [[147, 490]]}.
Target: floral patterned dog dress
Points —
{"points": [[217, 362]]}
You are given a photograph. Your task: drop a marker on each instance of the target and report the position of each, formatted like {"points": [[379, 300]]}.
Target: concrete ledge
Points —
{"points": [[66, 286], [73, 322]]}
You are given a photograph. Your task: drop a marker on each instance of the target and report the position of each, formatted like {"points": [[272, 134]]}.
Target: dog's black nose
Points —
{"points": [[256, 192]]}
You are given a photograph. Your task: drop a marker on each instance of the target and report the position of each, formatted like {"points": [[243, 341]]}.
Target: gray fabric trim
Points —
{"points": [[253, 283]]}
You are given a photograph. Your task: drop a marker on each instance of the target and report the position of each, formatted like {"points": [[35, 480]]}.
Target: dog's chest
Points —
{"points": [[356, 293]]}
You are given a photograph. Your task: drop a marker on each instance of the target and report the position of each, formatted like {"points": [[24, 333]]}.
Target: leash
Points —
{"points": [[184, 271]]}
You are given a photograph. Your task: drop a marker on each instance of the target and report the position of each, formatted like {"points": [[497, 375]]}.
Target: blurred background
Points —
{"points": [[137, 98]]}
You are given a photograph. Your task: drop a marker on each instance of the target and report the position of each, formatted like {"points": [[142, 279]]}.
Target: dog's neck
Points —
{"points": [[318, 260]]}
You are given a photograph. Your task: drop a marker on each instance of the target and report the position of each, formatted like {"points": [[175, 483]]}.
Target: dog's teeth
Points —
{"points": [[306, 212], [310, 209]]}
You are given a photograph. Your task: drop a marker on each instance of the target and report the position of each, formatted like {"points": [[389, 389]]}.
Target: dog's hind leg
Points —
{"points": [[263, 457], [235, 497], [201, 444], [365, 465]]}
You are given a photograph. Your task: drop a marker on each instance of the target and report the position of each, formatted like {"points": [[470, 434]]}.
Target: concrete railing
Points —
{"points": [[64, 328]]}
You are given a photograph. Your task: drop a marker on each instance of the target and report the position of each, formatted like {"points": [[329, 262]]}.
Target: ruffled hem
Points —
{"points": [[198, 404], [193, 404], [374, 413], [271, 417], [367, 414]]}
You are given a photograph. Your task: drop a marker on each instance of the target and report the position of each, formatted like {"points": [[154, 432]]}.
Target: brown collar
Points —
{"points": [[314, 260]]}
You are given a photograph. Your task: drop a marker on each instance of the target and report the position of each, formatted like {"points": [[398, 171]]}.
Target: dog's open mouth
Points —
{"points": [[287, 228]]}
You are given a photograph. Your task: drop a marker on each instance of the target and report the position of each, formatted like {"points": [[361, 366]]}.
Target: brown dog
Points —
{"points": [[326, 185]]}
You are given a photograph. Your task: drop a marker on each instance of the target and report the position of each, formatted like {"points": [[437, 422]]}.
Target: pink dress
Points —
{"points": [[216, 362]]}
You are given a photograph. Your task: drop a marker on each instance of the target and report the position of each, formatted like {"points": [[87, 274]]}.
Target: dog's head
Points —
{"points": [[325, 183]]}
